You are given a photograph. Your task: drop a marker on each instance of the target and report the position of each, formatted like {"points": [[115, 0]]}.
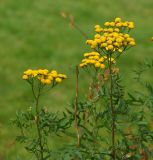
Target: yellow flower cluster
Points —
{"points": [[95, 59], [45, 76], [117, 23], [111, 37]]}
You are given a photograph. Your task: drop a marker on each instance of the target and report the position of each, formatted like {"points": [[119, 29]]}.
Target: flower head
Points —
{"points": [[44, 76], [113, 37], [93, 59]]}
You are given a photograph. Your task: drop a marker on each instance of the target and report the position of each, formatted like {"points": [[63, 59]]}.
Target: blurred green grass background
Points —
{"points": [[33, 35]]}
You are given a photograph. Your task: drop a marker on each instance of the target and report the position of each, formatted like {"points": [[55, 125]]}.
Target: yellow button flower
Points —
{"points": [[126, 35], [97, 40], [110, 30], [97, 26], [89, 42], [106, 24], [119, 40], [101, 59], [47, 81], [97, 64], [43, 81], [58, 80], [118, 24], [97, 36], [25, 77], [112, 24], [116, 29], [131, 25], [109, 42], [132, 43], [102, 66], [50, 77], [117, 19], [110, 47], [104, 45], [98, 30], [103, 39], [116, 44]]}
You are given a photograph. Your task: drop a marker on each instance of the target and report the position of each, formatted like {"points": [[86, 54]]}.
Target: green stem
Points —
{"points": [[112, 108], [38, 121]]}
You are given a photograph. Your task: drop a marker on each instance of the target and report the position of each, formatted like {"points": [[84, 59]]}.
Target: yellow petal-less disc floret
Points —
{"points": [[97, 36], [106, 24], [97, 64], [47, 81], [102, 66], [132, 43], [58, 80], [130, 25], [112, 24], [110, 47], [98, 29], [104, 45], [117, 19], [25, 77], [118, 24]]}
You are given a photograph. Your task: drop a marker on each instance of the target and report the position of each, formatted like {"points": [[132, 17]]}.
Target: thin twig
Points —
{"points": [[76, 108], [70, 19]]}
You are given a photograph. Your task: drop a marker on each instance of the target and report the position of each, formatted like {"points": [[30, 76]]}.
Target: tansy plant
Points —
{"points": [[37, 117], [103, 125], [108, 44]]}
